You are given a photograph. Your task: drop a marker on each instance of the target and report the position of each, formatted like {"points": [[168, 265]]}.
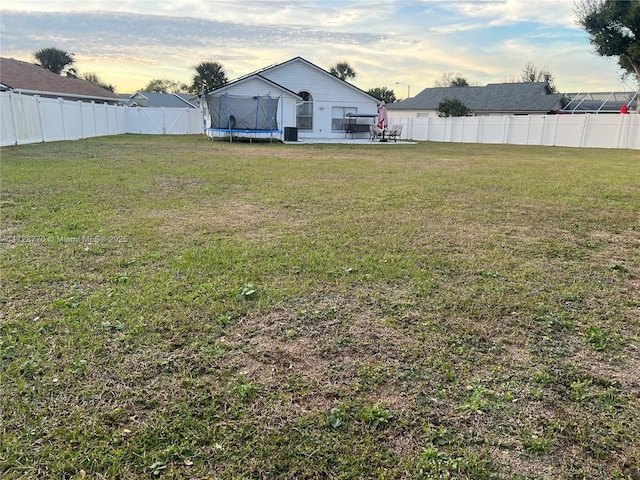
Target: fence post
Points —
{"points": [[106, 116], [40, 117], [93, 114], [585, 125], [116, 108], [621, 127], [80, 102], [505, 129], [14, 117], [64, 127]]}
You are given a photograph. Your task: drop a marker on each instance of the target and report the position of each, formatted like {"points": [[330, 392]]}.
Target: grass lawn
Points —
{"points": [[174, 307]]}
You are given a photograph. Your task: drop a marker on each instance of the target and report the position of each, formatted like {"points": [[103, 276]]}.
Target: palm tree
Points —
{"points": [[383, 94], [55, 60], [208, 76], [343, 71]]}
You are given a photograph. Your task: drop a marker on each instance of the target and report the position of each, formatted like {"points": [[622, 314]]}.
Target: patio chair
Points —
{"points": [[395, 132], [374, 132]]}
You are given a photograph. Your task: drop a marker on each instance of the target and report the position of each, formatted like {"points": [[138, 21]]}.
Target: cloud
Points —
{"points": [[93, 31], [329, 14], [546, 12], [411, 41], [457, 28]]}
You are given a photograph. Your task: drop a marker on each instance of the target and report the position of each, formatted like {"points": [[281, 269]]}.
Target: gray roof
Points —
{"points": [[495, 97], [154, 99]]}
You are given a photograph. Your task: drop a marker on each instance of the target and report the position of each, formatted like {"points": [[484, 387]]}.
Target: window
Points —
{"points": [[304, 117], [338, 118]]}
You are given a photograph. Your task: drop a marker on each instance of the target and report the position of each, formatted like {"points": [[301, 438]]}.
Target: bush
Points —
{"points": [[452, 107]]}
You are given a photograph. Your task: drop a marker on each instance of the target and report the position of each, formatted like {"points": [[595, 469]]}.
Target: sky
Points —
{"points": [[403, 45]]}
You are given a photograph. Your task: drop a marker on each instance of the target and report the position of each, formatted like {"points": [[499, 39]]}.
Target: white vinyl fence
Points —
{"points": [[32, 119], [585, 130], [164, 121]]}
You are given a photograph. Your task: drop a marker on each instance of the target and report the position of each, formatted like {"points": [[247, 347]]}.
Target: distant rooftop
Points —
{"points": [[522, 97], [154, 99], [519, 98]]}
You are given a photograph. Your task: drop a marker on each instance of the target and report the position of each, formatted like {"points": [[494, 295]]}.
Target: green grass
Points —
{"points": [[174, 307]]}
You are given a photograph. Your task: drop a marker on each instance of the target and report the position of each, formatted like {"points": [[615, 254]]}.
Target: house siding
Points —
{"points": [[327, 92], [393, 113], [251, 86], [298, 75]]}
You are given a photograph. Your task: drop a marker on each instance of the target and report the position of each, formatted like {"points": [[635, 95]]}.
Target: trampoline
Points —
{"points": [[247, 116]]}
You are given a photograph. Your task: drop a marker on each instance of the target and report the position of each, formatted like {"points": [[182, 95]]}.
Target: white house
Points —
{"points": [[295, 98]]}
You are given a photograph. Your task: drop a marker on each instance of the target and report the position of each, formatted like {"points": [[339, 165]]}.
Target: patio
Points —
{"points": [[358, 141]]}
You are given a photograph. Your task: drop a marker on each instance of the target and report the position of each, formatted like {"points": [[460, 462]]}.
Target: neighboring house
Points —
{"points": [[493, 99], [307, 98], [157, 100], [30, 79]]}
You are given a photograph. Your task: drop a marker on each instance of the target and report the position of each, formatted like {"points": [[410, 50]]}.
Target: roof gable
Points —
{"points": [[267, 71], [269, 74], [251, 78], [30, 78], [494, 97]]}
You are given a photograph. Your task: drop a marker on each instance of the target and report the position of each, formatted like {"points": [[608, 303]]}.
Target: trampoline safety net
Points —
{"points": [[232, 112]]}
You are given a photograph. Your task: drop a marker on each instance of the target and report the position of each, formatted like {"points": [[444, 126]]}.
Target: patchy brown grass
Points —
{"points": [[432, 311]]}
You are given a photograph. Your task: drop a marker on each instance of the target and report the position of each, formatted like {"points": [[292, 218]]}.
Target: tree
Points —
{"points": [[451, 80], [459, 82], [614, 31], [452, 107], [383, 93], [164, 85], [343, 71], [530, 73], [93, 78], [56, 60], [208, 76]]}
